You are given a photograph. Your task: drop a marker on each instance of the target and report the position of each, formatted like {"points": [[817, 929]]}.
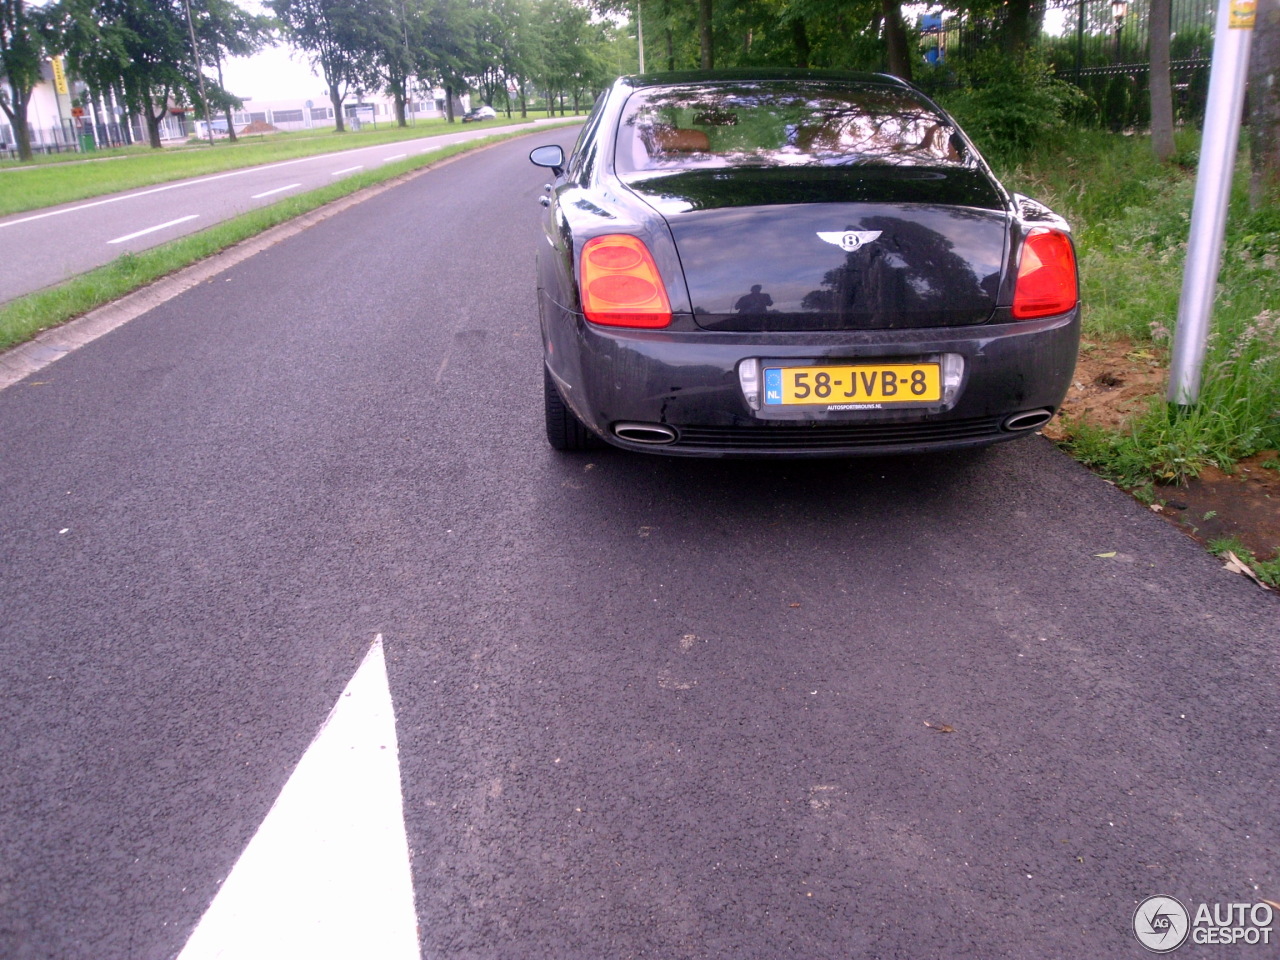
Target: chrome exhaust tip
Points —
{"points": [[1027, 421], [651, 433]]}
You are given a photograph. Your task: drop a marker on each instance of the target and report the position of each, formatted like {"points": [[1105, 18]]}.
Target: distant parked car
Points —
{"points": [[479, 113], [794, 264]]}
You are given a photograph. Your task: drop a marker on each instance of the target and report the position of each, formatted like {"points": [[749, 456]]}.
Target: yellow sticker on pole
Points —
{"points": [[1243, 14], [59, 76]]}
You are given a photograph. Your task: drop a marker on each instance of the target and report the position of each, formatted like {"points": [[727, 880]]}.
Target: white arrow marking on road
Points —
{"points": [[259, 196], [143, 233], [327, 876]]}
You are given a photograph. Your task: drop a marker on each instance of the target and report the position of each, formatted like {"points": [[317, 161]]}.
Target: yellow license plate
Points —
{"points": [[855, 386]]}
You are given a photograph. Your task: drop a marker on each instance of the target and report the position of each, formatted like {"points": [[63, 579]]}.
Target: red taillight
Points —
{"points": [[1046, 276], [621, 286]]}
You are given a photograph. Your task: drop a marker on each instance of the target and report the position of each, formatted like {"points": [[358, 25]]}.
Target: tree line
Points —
{"points": [[150, 56], [143, 54]]}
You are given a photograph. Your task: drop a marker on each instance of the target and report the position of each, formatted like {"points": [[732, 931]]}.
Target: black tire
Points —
{"points": [[564, 430]]}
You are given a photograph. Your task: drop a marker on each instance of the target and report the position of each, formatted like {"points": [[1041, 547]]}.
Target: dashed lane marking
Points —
{"points": [[143, 233], [327, 875], [259, 196]]}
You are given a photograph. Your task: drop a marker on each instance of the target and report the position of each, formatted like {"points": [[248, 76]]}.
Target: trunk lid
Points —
{"points": [[809, 250]]}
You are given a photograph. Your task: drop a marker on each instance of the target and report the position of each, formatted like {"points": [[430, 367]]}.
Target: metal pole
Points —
{"points": [[1218, 142], [1080, 41], [640, 34], [195, 53]]}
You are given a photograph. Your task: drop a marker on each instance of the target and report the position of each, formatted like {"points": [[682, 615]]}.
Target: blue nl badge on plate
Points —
{"points": [[773, 386]]}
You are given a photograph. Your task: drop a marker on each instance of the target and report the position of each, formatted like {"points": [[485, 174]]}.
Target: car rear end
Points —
{"points": [[832, 269]]}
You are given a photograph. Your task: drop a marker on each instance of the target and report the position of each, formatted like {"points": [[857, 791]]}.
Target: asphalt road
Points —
{"points": [[645, 707], [43, 247]]}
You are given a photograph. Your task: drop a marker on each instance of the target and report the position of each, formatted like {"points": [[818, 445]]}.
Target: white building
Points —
{"points": [[56, 125], [298, 114]]}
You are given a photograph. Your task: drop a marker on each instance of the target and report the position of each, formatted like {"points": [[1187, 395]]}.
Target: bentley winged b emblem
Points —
{"points": [[849, 240]]}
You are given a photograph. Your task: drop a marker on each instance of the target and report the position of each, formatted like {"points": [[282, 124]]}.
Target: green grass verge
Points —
{"points": [[1132, 219], [22, 319], [69, 177]]}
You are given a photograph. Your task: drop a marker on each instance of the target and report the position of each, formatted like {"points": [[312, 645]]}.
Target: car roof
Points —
{"points": [[678, 77]]}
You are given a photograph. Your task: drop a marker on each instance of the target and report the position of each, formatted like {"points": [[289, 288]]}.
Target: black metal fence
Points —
{"points": [[1102, 46]]}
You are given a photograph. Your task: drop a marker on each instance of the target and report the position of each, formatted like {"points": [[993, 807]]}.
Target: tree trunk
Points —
{"points": [[1158, 28], [398, 95], [1017, 26], [1264, 106], [336, 100], [895, 38], [704, 34], [153, 127], [524, 102], [800, 37], [448, 102], [217, 63], [153, 110], [16, 111]]}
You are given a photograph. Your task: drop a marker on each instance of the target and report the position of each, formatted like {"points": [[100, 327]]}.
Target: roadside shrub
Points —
{"points": [[1012, 106]]}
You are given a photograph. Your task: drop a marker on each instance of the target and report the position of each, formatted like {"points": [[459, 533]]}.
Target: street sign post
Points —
{"points": [[1218, 143]]}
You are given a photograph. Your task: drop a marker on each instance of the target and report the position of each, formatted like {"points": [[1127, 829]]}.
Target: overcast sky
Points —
{"points": [[278, 73]]}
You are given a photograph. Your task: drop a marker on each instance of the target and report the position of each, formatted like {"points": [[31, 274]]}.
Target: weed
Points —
{"points": [[1132, 219], [1268, 571]]}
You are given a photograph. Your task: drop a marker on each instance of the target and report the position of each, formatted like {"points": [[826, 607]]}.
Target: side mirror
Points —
{"points": [[551, 157]]}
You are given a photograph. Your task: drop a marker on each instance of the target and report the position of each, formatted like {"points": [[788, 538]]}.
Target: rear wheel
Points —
{"points": [[564, 430]]}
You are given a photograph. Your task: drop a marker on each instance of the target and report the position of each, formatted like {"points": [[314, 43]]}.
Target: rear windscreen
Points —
{"points": [[781, 124]]}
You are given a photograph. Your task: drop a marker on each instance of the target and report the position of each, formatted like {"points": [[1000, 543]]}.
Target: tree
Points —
{"points": [[340, 37], [139, 47], [226, 30], [394, 54], [1159, 29], [895, 38], [448, 55], [1264, 95], [706, 38], [21, 48]]}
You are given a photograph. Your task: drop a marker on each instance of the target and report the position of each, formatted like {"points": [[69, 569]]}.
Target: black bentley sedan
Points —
{"points": [[794, 263]]}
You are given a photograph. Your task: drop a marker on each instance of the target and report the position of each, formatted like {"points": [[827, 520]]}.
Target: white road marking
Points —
{"points": [[438, 141], [143, 233], [398, 156], [327, 875], [259, 196], [338, 173], [168, 186]]}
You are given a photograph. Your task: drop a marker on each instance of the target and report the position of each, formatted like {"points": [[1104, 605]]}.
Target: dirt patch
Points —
{"points": [[259, 126], [1244, 505], [1115, 380]]}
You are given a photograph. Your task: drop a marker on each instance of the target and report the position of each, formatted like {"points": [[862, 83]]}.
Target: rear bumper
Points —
{"points": [[688, 382]]}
